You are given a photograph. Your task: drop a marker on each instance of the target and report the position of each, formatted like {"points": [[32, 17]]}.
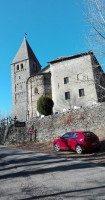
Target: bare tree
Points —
{"points": [[95, 15]]}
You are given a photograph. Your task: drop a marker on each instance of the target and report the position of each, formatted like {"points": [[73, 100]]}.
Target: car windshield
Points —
{"points": [[89, 134]]}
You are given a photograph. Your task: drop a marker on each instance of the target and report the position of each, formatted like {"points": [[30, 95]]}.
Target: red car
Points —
{"points": [[78, 141]]}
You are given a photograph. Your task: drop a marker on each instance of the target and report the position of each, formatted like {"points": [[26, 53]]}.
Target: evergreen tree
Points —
{"points": [[45, 105]]}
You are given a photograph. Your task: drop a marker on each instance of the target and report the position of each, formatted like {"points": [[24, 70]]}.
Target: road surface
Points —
{"points": [[27, 175]]}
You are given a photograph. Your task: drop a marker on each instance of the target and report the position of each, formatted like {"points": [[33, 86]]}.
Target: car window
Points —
{"points": [[68, 135], [75, 135], [89, 134]]}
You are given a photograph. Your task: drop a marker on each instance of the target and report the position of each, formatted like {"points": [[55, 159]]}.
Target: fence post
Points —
{"points": [[35, 134]]}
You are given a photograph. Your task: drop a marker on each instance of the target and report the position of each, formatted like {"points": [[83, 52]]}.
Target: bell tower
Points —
{"points": [[23, 66]]}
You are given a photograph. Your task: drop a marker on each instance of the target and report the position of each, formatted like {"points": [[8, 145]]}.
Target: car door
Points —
{"points": [[64, 141], [72, 142]]}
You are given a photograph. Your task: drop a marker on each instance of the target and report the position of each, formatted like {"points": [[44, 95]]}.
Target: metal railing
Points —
{"points": [[7, 121]]}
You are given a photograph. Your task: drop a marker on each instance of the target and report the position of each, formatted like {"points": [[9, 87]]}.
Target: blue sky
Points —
{"points": [[54, 28]]}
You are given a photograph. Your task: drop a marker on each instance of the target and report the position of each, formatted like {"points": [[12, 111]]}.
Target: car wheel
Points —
{"points": [[79, 149], [56, 147]]}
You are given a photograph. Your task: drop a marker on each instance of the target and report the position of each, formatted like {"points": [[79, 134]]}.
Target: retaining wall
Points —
{"points": [[53, 126], [91, 119]]}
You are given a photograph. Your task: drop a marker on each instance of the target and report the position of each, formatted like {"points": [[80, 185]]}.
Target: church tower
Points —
{"points": [[23, 66]]}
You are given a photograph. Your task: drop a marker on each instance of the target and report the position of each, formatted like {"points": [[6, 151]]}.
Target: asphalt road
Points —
{"points": [[26, 175]]}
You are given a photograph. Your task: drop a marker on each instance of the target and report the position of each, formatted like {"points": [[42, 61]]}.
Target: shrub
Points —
{"points": [[45, 105]]}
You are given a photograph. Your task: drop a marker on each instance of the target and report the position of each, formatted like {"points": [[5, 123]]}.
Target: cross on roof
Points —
{"points": [[25, 34]]}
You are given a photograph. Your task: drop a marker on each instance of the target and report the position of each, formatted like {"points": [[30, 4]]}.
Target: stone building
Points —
{"points": [[37, 86], [77, 81], [71, 81], [24, 65]]}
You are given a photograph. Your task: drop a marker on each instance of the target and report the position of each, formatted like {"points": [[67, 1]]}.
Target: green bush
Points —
{"points": [[45, 105]]}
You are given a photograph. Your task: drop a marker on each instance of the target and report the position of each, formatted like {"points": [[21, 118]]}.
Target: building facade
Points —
{"points": [[71, 82], [24, 65], [77, 81], [37, 86]]}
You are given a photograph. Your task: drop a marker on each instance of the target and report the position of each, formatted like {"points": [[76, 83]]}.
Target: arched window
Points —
{"points": [[21, 65], [17, 67], [36, 90]]}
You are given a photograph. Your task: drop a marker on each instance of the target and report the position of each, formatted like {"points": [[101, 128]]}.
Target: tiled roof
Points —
{"points": [[70, 57], [24, 52], [45, 68]]}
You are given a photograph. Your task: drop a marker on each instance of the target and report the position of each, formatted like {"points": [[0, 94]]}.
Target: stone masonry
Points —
{"points": [[36, 87], [84, 119], [53, 126], [75, 81], [72, 82], [24, 65]]}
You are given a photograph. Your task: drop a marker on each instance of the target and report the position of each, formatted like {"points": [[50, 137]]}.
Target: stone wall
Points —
{"points": [[99, 79], [50, 127], [53, 126]]}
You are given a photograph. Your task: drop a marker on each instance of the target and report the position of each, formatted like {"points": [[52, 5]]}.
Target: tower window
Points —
{"points": [[15, 99], [66, 80], [15, 87], [36, 90], [67, 95], [77, 76], [22, 66], [81, 93], [17, 67]]}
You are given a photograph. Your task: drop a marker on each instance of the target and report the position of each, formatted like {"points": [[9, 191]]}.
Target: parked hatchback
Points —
{"points": [[78, 141]]}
